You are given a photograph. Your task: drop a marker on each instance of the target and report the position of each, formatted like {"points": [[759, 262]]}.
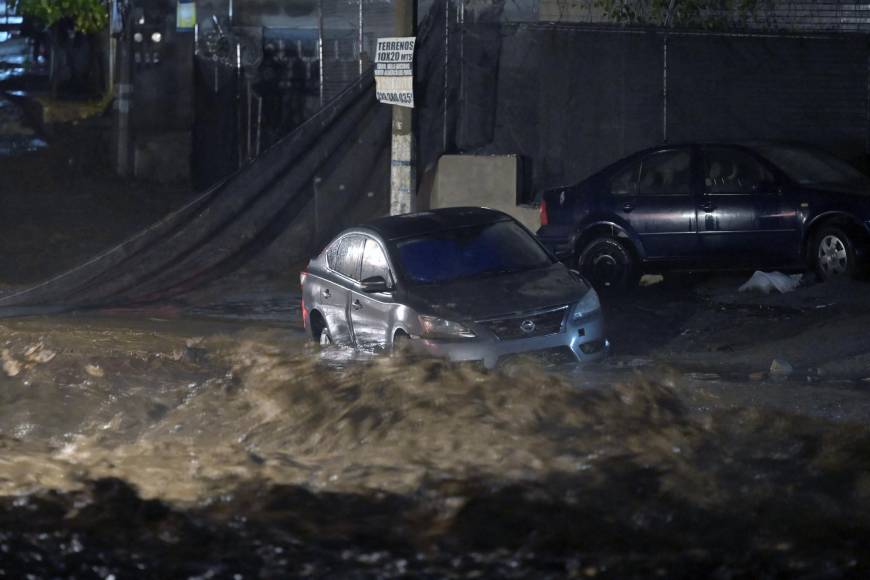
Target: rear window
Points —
{"points": [[450, 255], [813, 167]]}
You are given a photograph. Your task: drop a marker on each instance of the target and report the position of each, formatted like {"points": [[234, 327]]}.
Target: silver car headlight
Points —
{"points": [[588, 304], [434, 327]]}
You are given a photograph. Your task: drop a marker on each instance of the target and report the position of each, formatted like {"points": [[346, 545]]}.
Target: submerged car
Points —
{"points": [[470, 284], [709, 207]]}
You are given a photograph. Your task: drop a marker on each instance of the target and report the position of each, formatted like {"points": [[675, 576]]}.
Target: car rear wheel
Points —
{"points": [[609, 265], [834, 254], [325, 336]]}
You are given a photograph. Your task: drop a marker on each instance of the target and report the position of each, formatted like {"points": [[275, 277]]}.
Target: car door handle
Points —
{"points": [[325, 293], [627, 207], [357, 305], [708, 206]]}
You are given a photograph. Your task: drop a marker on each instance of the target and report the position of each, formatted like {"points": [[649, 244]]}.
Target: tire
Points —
{"points": [[609, 265], [834, 254], [325, 336], [401, 342]]}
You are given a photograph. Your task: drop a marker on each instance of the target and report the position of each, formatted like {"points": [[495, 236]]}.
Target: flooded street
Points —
{"points": [[208, 448], [166, 178]]}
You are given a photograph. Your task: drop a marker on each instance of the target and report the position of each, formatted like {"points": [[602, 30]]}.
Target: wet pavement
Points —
{"points": [[169, 446]]}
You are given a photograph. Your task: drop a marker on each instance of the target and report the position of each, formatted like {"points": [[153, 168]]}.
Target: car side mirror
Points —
{"points": [[375, 284]]}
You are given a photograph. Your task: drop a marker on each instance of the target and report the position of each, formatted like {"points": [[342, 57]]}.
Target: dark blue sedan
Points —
{"points": [[712, 207]]}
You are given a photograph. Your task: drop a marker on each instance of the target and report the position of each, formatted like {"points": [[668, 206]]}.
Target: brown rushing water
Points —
{"points": [[176, 450]]}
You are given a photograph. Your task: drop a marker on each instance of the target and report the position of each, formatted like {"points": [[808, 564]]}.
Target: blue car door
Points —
{"points": [[744, 219], [653, 196]]}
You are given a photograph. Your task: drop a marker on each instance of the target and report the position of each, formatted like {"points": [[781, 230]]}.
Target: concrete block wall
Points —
{"points": [[492, 181]]}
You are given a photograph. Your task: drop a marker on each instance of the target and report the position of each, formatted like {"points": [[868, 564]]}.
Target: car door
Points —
{"points": [[744, 218], [370, 314], [653, 196], [344, 261]]}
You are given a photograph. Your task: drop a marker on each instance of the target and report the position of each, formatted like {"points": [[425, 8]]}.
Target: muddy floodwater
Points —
{"points": [[191, 449]]}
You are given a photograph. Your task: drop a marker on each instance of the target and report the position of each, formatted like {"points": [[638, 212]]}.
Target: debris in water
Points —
{"points": [[94, 370], [10, 366], [38, 354], [780, 369]]}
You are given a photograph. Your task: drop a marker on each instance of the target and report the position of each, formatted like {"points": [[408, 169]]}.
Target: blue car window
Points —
{"points": [[732, 171], [625, 181], [665, 173]]}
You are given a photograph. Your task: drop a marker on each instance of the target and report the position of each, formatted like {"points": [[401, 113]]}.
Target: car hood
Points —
{"points": [[499, 295]]}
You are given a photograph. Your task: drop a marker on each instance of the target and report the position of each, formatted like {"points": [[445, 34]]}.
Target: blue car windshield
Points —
{"points": [[469, 252]]}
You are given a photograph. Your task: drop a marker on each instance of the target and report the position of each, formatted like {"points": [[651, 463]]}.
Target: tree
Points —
{"points": [[687, 13], [67, 21], [86, 16]]}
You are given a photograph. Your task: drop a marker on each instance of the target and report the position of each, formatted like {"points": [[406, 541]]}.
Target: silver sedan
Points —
{"points": [[471, 284]]}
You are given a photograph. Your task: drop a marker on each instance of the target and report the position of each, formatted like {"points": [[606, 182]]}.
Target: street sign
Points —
{"points": [[185, 15], [394, 71]]}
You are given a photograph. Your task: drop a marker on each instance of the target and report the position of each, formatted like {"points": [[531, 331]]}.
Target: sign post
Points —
{"points": [[394, 80]]}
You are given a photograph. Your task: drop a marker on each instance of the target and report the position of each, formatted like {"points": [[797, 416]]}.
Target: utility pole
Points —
{"points": [[403, 179], [124, 95]]}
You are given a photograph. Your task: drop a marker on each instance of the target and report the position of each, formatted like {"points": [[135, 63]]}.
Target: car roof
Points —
{"points": [[436, 220]]}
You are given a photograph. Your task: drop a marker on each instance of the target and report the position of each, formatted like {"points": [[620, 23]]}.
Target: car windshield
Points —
{"points": [[450, 255], [811, 167]]}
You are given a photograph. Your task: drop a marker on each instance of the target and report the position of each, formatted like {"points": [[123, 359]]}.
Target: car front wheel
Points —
{"points": [[609, 265], [834, 254]]}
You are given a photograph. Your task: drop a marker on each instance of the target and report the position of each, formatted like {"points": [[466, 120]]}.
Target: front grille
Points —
{"points": [[557, 355], [531, 325]]}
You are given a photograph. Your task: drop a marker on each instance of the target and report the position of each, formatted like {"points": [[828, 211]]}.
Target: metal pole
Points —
{"points": [[240, 130], [360, 39], [320, 45], [316, 184], [446, 75], [248, 125], [665, 89], [124, 98], [112, 56], [259, 122], [403, 186]]}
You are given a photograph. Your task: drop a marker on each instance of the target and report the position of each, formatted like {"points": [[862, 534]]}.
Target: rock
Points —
{"points": [[780, 368]]}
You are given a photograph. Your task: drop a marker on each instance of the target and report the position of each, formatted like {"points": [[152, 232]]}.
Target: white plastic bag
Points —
{"points": [[764, 282]]}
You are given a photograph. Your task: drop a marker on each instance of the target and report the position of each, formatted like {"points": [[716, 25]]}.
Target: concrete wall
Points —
{"points": [[492, 181]]}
